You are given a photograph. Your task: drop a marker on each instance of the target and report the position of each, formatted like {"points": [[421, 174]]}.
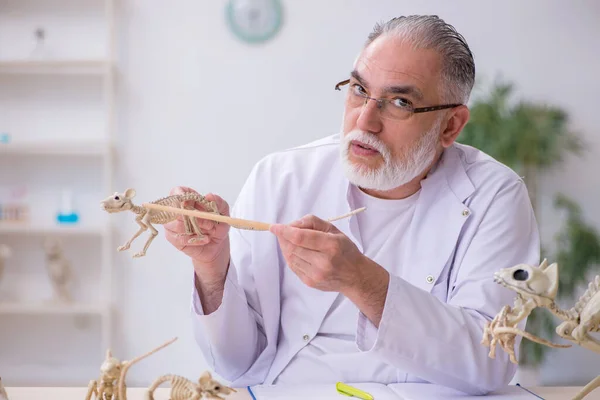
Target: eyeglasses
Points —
{"points": [[396, 108]]}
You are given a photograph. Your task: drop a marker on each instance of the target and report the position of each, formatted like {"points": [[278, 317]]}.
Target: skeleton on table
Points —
{"points": [[537, 287], [184, 389], [111, 385]]}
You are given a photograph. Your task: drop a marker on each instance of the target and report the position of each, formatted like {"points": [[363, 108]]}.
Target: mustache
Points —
{"points": [[368, 139]]}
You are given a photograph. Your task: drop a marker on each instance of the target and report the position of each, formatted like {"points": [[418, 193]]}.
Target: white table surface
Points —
{"points": [[79, 393]]}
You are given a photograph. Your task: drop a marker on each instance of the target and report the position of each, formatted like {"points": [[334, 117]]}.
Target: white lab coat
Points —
{"points": [[473, 217]]}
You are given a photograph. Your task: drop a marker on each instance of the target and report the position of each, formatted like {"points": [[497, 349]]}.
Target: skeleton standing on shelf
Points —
{"points": [[5, 253], [59, 269], [537, 287], [3, 394]]}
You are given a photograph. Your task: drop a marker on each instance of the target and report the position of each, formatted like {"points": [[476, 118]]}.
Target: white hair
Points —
{"points": [[431, 32]]}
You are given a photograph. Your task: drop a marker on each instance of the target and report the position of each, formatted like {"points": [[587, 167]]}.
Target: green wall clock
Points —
{"points": [[254, 21]]}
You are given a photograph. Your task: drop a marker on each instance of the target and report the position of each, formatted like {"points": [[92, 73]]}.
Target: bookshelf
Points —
{"points": [[57, 122]]}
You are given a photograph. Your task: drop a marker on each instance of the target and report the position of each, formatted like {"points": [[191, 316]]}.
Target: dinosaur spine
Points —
{"points": [[181, 388]]}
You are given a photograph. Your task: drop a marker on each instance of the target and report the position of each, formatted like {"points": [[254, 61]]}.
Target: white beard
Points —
{"points": [[394, 172]]}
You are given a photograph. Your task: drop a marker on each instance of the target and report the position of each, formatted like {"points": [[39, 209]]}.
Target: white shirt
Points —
{"points": [[471, 217], [380, 230]]}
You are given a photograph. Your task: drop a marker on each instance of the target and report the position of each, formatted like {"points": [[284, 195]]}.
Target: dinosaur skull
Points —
{"points": [[111, 367], [208, 385], [118, 201], [539, 284]]}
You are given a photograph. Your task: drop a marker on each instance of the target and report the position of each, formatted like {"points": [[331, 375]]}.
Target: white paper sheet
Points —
{"points": [[320, 392], [424, 391]]}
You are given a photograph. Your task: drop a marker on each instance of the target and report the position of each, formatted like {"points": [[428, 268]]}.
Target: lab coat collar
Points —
{"points": [[439, 218], [440, 205], [449, 169]]}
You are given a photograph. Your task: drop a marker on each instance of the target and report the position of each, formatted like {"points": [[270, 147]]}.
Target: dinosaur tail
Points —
{"points": [[128, 364], [159, 381]]}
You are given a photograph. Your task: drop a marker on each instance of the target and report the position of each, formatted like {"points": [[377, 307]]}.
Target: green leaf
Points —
{"points": [[519, 134]]}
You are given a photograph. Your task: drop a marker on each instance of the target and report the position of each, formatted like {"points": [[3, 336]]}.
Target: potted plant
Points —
{"points": [[533, 138]]}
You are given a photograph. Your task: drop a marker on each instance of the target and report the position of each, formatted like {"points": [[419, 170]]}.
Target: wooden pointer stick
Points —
{"points": [[235, 222]]}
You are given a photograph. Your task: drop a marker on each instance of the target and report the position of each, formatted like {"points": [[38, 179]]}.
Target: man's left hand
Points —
{"points": [[326, 259], [322, 256]]}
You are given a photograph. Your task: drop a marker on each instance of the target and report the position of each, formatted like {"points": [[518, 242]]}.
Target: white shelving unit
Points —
{"points": [[58, 148], [60, 152], [33, 308], [50, 67]]}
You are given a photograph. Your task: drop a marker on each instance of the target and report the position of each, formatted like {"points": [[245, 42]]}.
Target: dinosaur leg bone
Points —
{"points": [[187, 224], [489, 338], [143, 227], [153, 233], [196, 230], [529, 336], [587, 389], [92, 390]]}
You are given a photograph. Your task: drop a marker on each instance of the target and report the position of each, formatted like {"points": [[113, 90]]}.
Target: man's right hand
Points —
{"points": [[210, 255]]}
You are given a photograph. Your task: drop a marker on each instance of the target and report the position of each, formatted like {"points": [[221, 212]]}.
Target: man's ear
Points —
{"points": [[454, 125]]}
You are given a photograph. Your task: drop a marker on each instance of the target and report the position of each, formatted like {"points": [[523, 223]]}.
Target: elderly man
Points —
{"points": [[397, 293]]}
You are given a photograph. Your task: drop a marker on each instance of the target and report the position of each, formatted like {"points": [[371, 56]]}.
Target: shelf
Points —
{"points": [[51, 308], [59, 148], [55, 67], [27, 228], [26, 379]]}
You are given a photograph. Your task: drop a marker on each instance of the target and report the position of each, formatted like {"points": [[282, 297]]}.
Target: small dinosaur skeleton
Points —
{"points": [[59, 270], [184, 389], [112, 376], [119, 202], [3, 394], [537, 287], [5, 253]]}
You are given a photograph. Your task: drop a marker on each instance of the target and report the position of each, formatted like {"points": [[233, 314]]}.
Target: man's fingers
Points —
{"points": [[302, 237], [222, 205], [315, 223], [308, 256], [179, 241], [176, 235], [178, 225], [300, 267], [181, 190]]}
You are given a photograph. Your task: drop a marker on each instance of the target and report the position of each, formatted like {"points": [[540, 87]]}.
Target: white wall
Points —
{"points": [[199, 108]]}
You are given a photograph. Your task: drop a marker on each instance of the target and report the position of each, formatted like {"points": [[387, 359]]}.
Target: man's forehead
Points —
{"points": [[391, 59]]}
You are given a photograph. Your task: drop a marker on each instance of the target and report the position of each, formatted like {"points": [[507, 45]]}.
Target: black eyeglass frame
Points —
{"points": [[414, 110]]}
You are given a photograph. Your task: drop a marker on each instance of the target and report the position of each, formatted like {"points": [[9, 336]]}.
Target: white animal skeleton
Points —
{"points": [[59, 269], [5, 253], [3, 394], [119, 202], [184, 389], [537, 287], [112, 376]]}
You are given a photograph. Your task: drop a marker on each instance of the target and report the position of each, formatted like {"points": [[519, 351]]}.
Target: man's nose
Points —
{"points": [[370, 116]]}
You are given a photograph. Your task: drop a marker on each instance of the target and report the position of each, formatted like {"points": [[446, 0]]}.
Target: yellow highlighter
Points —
{"points": [[352, 391]]}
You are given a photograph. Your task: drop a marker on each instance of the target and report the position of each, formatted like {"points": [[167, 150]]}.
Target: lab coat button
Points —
{"points": [[465, 212], [306, 337], [429, 278]]}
